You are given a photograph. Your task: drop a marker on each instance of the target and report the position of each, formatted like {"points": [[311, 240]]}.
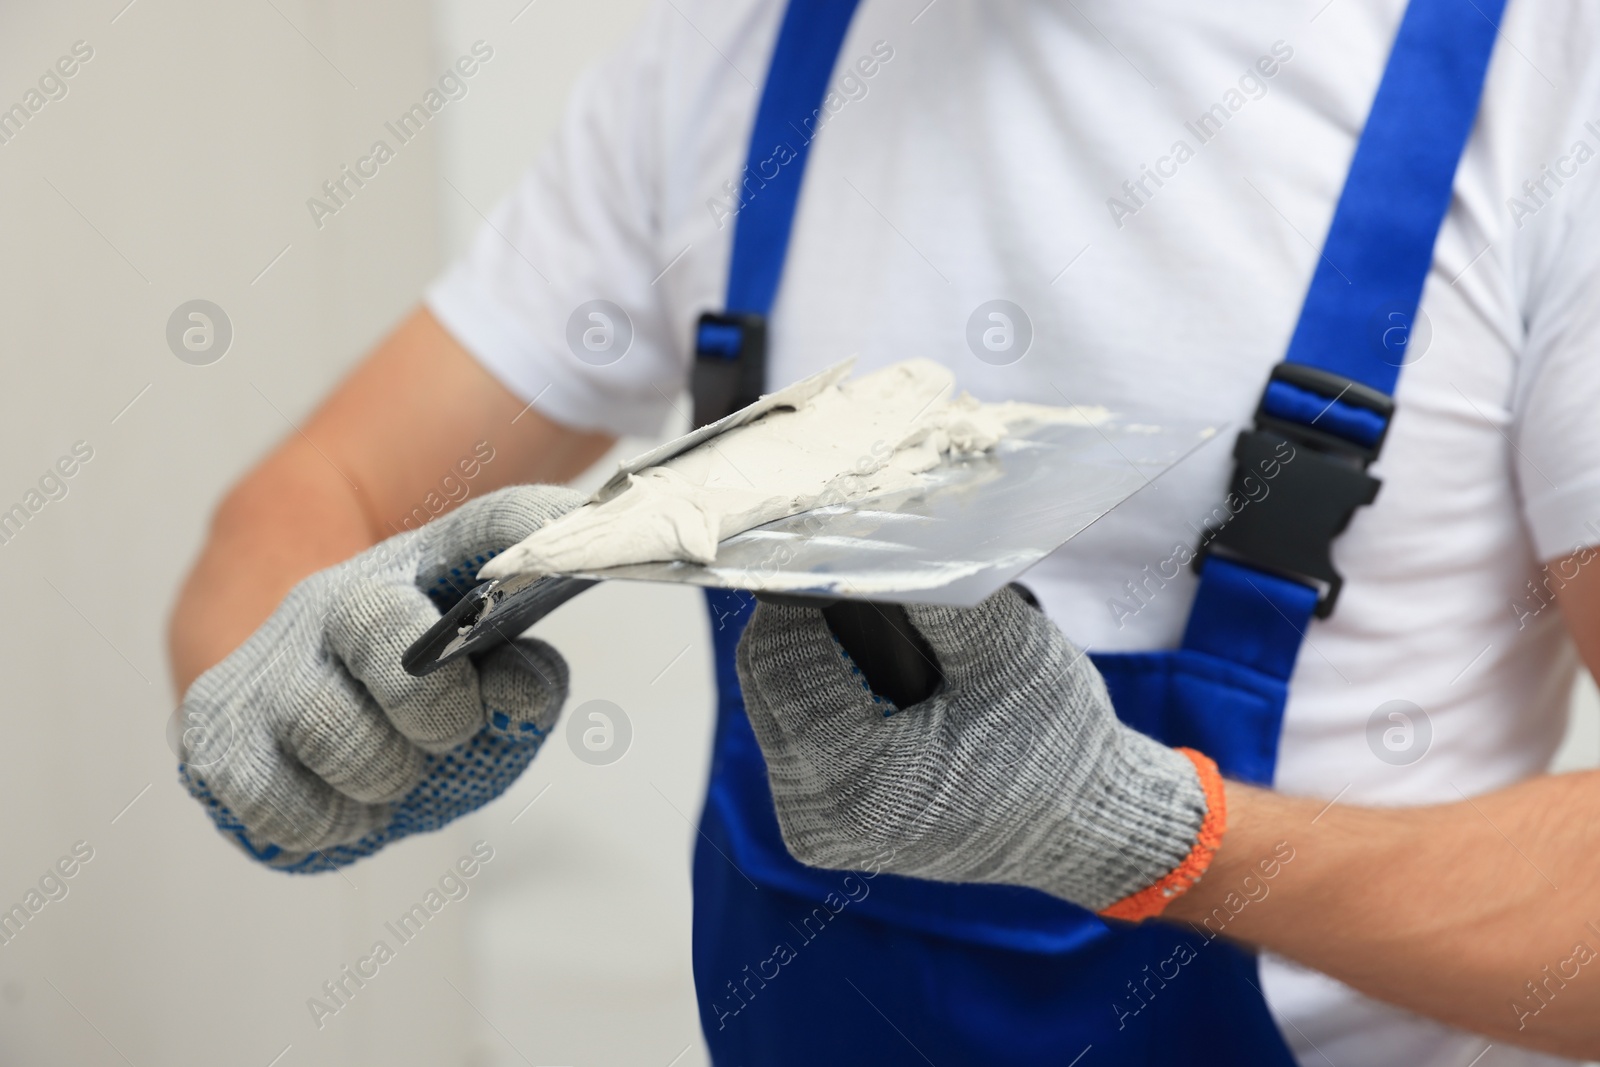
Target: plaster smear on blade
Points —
{"points": [[859, 437]]}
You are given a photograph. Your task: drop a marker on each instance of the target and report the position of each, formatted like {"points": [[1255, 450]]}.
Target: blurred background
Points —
{"points": [[174, 165]]}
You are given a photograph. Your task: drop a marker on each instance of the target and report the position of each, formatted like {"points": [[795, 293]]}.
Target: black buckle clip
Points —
{"points": [[1295, 484], [730, 364]]}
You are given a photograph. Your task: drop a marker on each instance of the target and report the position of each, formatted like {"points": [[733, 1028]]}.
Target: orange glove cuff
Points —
{"points": [[1151, 901]]}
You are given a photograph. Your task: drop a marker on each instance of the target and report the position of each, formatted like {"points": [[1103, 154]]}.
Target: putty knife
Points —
{"points": [[975, 525]]}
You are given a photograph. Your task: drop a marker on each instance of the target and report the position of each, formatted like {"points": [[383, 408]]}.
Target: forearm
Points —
{"points": [[292, 516], [417, 429], [1448, 911]]}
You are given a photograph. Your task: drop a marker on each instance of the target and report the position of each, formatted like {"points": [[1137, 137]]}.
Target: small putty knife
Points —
{"points": [[497, 610]]}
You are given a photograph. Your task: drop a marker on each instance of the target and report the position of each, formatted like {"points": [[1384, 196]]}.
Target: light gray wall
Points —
{"points": [[177, 167]]}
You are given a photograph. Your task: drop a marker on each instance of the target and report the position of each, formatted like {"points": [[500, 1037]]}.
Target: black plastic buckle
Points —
{"points": [[1331, 387], [1295, 486], [730, 364]]}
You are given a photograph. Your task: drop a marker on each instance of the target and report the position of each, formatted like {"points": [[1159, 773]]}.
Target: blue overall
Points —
{"points": [[795, 965]]}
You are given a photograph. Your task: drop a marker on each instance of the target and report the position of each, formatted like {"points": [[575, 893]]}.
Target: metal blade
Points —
{"points": [[973, 527]]}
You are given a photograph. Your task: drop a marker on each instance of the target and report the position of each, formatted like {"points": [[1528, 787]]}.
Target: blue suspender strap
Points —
{"points": [[780, 142], [730, 347], [1326, 408], [1380, 245]]}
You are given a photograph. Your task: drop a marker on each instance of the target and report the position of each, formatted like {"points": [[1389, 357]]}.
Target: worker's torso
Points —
{"points": [[1150, 184]]}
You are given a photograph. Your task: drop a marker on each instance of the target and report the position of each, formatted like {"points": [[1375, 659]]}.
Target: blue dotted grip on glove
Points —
{"points": [[456, 783], [453, 783]]}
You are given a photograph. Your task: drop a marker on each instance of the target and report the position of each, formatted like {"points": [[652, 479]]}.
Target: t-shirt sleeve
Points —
{"points": [[555, 297], [1556, 416]]}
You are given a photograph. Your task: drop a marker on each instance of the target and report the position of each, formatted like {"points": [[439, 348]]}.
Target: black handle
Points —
{"points": [[490, 615], [893, 657]]}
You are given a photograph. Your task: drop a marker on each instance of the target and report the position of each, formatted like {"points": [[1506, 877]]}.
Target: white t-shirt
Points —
{"points": [[977, 150]]}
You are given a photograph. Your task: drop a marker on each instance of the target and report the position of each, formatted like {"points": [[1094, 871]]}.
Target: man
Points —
{"points": [[1150, 188]]}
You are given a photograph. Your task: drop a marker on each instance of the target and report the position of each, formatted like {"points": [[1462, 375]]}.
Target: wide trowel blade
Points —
{"points": [[975, 525]]}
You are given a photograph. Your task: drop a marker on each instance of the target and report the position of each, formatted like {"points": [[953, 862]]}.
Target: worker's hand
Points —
{"points": [[1016, 771], [311, 746]]}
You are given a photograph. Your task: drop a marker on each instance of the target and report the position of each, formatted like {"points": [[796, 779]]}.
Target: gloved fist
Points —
{"points": [[311, 747], [1016, 771]]}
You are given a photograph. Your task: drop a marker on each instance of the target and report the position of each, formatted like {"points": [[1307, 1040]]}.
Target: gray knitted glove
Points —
{"points": [[1017, 771], [310, 746]]}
